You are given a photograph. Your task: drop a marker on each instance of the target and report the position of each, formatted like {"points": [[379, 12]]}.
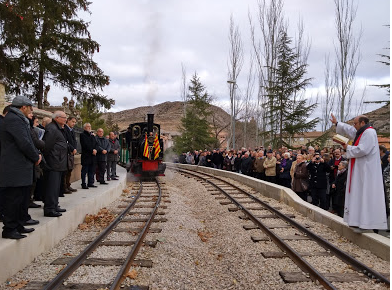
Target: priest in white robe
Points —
{"points": [[364, 200]]}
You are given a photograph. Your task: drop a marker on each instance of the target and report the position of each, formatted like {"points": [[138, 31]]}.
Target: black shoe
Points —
{"points": [[92, 185], [34, 205], [72, 189], [31, 222], [103, 182], [26, 230], [13, 235], [84, 186], [59, 209], [53, 214], [67, 191], [61, 195], [114, 178]]}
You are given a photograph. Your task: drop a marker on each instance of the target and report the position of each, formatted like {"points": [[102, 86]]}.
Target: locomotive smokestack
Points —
{"points": [[150, 122]]}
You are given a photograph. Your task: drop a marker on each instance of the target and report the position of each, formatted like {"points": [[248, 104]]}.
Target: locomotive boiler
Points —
{"points": [[145, 148]]}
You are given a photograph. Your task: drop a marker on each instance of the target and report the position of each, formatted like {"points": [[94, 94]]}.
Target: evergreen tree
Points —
{"points": [[195, 130], [44, 40], [290, 112], [89, 113], [111, 125]]}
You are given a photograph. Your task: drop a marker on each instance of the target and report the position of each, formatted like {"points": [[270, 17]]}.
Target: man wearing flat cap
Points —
{"points": [[18, 156]]}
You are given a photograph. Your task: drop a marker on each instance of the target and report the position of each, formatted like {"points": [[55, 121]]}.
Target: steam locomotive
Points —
{"points": [[142, 149]]}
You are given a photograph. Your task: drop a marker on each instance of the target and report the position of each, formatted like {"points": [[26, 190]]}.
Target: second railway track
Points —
{"points": [[149, 199], [231, 194]]}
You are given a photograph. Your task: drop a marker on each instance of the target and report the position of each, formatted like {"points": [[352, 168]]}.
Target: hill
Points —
{"points": [[167, 114]]}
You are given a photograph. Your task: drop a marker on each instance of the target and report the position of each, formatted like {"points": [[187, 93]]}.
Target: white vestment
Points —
{"points": [[365, 203]]}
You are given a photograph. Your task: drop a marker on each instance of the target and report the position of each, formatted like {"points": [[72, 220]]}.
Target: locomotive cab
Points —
{"points": [[145, 148]]}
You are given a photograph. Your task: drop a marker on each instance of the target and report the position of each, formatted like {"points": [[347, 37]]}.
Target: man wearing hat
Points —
{"points": [[18, 156], [270, 167]]}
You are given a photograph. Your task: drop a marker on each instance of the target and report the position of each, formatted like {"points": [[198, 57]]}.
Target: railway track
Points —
{"points": [[148, 198], [248, 204]]}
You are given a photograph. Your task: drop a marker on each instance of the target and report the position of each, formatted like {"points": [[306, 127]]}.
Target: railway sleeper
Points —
{"points": [[151, 244], [295, 277], [103, 262], [138, 220], [257, 239], [38, 285], [143, 206], [252, 208], [136, 230], [265, 216], [254, 227], [278, 255]]}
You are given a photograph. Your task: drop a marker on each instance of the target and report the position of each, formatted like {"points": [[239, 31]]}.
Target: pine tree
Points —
{"points": [[111, 125], [290, 112], [43, 40], [195, 130], [89, 113]]}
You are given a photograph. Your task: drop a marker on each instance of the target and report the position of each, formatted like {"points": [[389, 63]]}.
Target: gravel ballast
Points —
{"points": [[203, 246]]}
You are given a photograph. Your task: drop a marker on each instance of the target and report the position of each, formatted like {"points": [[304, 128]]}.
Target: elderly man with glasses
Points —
{"points": [[55, 153]]}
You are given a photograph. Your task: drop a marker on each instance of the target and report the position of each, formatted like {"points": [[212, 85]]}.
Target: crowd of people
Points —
{"points": [[37, 160], [317, 175]]}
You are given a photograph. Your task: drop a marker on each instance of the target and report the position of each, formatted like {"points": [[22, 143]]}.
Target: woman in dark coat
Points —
{"points": [[301, 177], [339, 186], [284, 173], [227, 162], [237, 163]]}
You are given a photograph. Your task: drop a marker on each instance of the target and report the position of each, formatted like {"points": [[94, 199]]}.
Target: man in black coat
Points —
{"points": [[246, 164], [89, 152], [112, 156], [103, 147], [72, 145], [318, 169], [5, 111], [18, 156], [55, 153]]}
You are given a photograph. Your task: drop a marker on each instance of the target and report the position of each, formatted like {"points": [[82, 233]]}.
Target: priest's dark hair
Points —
{"points": [[363, 118]]}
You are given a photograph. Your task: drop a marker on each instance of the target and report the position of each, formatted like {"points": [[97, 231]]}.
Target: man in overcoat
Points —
{"points": [[89, 152], [18, 156], [55, 153], [112, 157], [72, 145], [103, 148]]}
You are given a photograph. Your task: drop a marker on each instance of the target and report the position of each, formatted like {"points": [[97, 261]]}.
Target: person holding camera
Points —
{"points": [[318, 180]]}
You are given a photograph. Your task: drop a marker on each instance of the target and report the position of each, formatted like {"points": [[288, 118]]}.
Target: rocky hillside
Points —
{"points": [[167, 114]]}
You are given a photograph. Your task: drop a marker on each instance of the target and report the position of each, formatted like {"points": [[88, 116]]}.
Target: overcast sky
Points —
{"points": [[144, 42]]}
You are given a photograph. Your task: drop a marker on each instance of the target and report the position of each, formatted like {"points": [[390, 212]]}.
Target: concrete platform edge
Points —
{"points": [[377, 244], [17, 254]]}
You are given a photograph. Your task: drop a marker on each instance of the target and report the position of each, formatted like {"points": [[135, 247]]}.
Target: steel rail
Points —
{"points": [[121, 276], [357, 265], [75, 263], [315, 275]]}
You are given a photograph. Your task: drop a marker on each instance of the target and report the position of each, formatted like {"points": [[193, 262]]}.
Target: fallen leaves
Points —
{"points": [[204, 235], [126, 190], [18, 285], [101, 220], [131, 274], [68, 255]]}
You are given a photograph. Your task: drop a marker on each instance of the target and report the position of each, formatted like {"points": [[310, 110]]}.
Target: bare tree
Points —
{"points": [[270, 21], [235, 63], [348, 54], [248, 97], [328, 103], [183, 87]]}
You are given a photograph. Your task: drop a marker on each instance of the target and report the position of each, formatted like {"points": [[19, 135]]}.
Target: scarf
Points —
{"points": [[283, 163], [20, 115], [356, 141], [341, 171]]}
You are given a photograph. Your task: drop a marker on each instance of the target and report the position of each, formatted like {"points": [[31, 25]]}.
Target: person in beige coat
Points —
{"points": [[270, 167]]}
